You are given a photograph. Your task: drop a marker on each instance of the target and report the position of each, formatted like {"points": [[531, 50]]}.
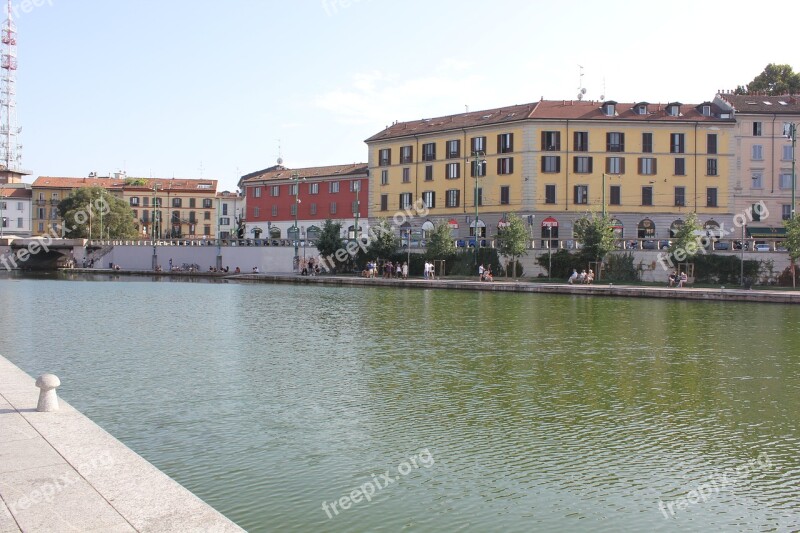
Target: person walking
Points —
{"points": [[405, 270], [480, 272]]}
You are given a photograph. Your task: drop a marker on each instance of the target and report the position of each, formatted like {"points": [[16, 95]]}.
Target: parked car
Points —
{"points": [[721, 245], [649, 245], [664, 244], [762, 248]]}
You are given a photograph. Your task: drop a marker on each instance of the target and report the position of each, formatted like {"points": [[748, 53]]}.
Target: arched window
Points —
{"points": [[646, 229], [675, 227]]}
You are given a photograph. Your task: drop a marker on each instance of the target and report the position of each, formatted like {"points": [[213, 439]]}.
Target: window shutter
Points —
{"points": [[641, 164], [575, 194], [590, 164], [655, 164], [544, 141], [622, 165]]}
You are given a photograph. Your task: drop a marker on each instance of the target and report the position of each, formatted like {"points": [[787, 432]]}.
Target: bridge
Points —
{"points": [[43, 253]]}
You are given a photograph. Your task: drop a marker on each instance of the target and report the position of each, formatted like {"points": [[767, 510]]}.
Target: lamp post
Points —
{"points": [[791, 134], [296, 179], [549, 252], [357, 185], [741, 258], [479, 159], [155, 227], [219, 236], [2, 217]]}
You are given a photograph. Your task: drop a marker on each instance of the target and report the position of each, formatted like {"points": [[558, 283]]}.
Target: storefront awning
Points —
{"points": [[766, 232]]}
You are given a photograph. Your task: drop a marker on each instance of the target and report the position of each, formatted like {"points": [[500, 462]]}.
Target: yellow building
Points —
{"points": [[185, 208], [548, 160]]}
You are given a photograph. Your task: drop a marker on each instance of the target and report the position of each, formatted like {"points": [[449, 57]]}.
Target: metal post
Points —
{"points": [[604, 195], [549, 253], [2, 218], [479, 157], [154, 227], [219, 237], [793, 132], [296, 179], [358, 208], [741, 260]]}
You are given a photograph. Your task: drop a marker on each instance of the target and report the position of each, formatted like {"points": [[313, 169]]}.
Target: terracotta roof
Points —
{"points": [[282, 173], [546, 110], [16, 193], [745, 103], [120, 183], [172, 184], [471, 119], [53, 182]]}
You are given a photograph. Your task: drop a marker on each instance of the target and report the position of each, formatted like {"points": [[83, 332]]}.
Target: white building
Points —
{"points": [[15, 209], [230, 210]]}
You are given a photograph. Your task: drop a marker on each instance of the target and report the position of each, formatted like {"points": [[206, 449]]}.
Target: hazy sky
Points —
{"points": [[195, 88]]}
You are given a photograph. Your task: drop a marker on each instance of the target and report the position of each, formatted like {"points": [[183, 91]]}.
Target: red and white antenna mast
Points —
{"points": [[10, 155]]}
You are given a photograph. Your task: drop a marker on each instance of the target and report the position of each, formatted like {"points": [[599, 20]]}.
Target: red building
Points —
{"points": [[338, 192]]}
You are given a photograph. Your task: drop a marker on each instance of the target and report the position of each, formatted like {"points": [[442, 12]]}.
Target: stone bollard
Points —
{"points": [[48, 399]]}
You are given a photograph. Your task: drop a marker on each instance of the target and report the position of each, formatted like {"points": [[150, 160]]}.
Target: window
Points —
{"points": [[428, 172], [582, 165], [41, 227], [549, 194], [478, 144], [54, 196], [505, 195], [676, 143], [757, 180], [647, 143], [406, 154], [429, 152], [758, 152], [647, 166], [756, 129], [647, 195], [135, 213], [293, 209], [786, 211], [313, 188], [680, 166], [452, 198], [615, 165], [405, 200], [706, 111], [384, 202], [385, 157], [785, 181], [192, 203], [580, 194], [453, 171], [711, 143], [429, 199], [505, 165], [5, 222], [274, 210], [20, 206], [333, 187], [207, 203], [615, 142], [616, 194], [551, 163], [551, 141], [355, 185], [406, 175], [275, 190], [206, 230], [478, 168], [176, 202], [20, 222], [787, 153], [453, 149], [292, 189], [680, 196], [312, 209], [224, 221], [207, 215], [384, 177], [581, 141], [224, 209], [256, 212], [333, 208], [256, 192], [145, 201], [157, 202], [480, 196], [505, 143], [41, 213], [711, 166], [711, 197]]}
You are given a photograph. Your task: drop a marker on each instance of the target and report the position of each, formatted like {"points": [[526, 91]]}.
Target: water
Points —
{"points": [[494, 412]]}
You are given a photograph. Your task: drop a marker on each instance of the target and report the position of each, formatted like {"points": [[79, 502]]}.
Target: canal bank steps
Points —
{"points": [[59, 471], [721, 294]]}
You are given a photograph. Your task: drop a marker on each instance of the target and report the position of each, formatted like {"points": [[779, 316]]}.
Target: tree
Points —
{"points": [[774, 80], [330, 241], [93, 213], [512, 240], [793, 242], [382, 240], [596, 234], [685, 239], [440, 241]]}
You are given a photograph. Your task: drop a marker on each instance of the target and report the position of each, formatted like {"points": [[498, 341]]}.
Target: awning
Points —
{"points": [[549, 222], [427, 226], [766, 232], [453, 224]]}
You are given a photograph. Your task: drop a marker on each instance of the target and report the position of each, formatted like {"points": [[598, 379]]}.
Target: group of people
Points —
{"points": [[429, 271], [388, 270], [678, 279], [584, 278], [485, 274], [309, 267]]}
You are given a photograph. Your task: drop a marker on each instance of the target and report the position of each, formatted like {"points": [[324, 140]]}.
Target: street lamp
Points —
{"points": [[791, 133], [219, 236], [296, 179], [549, 252], [154, 226], [479, 159], [357, 185], [604, 191]]}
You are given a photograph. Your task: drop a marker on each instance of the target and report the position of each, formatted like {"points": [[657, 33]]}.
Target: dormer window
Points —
{"points": [[640, 108], [674, 109], [609, 109], [706, 110]]}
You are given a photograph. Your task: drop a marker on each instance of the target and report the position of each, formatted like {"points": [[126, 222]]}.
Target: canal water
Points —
{"points": [[316, 408]]}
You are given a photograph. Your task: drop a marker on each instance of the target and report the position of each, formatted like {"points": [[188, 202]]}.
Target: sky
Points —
{"points": [[202, 89]]}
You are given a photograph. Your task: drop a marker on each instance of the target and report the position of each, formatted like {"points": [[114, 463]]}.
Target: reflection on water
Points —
{"points": [[542, 412]]}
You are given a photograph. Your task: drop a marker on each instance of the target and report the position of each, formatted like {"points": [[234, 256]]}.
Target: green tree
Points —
{"points": [[330, 241], [684, 243], [774, 80], [383, 242], [793, 242], [596, 235], [136, 182], [512, 240], [93, 213], [440, 241]]}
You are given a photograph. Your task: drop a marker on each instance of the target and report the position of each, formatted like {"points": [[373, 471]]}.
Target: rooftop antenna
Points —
{"points": [[603, 96], [10, 154], [581, 89], [280, 155], [466, 108]]}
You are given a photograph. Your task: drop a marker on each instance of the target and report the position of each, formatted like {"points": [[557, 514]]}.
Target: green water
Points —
{"points": [[531, 412]]}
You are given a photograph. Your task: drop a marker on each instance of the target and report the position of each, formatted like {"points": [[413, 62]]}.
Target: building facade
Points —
{"points": [[231, 209], [764, 155], [48, 191], [551, 162], [278, 196], [15, 210]]}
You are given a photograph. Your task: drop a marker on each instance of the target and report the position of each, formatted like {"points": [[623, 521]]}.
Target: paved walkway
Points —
{"points": [[61, 472]]}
